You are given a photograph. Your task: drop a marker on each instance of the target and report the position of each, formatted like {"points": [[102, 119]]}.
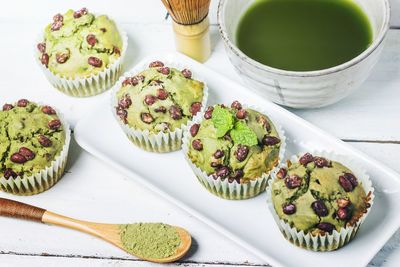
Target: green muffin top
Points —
{"points": [[317, 195], [235, 143], [78, 44], [31, 136], [159, 99]]}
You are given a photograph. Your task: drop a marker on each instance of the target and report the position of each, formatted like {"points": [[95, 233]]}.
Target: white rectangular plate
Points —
{"points": [[247, 222]]}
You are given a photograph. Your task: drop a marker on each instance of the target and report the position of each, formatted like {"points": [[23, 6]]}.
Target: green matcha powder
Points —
{"points": [[150, 240]]}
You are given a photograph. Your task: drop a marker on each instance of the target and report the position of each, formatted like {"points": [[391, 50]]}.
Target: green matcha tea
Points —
{"points": [[303, 35], [150, 240]]}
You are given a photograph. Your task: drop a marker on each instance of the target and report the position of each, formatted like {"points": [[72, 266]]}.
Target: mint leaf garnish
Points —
{"points": [[243, 134], [223, 120]]}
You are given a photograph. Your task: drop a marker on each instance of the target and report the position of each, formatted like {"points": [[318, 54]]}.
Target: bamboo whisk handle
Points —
{"points": [[193, 40], [11, 208]]}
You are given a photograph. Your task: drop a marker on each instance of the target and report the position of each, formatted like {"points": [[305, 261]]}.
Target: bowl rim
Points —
{"points": [[375, 44]]}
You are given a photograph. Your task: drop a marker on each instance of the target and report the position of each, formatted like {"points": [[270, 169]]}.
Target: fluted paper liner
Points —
{"points": [[233, 190], [337, 239], [94, 84], [154, 142], [47, 177]]}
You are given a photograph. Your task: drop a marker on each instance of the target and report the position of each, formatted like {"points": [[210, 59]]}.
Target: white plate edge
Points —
{"points": [[269, 259]]}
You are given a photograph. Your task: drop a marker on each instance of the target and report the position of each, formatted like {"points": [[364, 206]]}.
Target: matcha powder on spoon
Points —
{"points": [[150, 240]]}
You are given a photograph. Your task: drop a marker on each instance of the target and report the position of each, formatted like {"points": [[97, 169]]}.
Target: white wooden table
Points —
{"points": [[91, 190]]}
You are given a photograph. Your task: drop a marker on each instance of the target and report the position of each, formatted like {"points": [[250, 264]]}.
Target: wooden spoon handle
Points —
{"points": [[11, 208], [15, 209]]}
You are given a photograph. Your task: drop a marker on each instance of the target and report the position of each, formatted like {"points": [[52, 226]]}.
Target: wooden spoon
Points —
{"points": [[108, 232]]}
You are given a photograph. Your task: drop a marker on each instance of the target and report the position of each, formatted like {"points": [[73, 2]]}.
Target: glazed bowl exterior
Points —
{"points": [[308, 89]]}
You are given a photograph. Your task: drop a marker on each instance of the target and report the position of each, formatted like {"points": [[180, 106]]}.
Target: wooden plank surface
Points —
{"points": [[91, 190], [136, 11], [40, 261]]}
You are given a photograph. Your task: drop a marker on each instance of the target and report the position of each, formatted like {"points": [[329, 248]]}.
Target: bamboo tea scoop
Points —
{"points": [[107, 232]]}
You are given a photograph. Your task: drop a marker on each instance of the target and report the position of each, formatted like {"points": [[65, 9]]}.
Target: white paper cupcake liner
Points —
{"points": [[46, 178], [94, 84], [160, 142], [234, 190], [336, 239]]}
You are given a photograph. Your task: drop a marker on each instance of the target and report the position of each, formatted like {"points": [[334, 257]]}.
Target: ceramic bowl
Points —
{"points": [[308, 89]]}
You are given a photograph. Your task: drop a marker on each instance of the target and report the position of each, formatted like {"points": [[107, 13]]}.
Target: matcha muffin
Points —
{"points": [[81, 53], [233, 149], [316, 198], [34, 142], [154, 106]]}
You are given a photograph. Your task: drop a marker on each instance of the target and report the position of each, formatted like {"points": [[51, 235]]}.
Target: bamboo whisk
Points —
{"points": [[191, 27]]}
